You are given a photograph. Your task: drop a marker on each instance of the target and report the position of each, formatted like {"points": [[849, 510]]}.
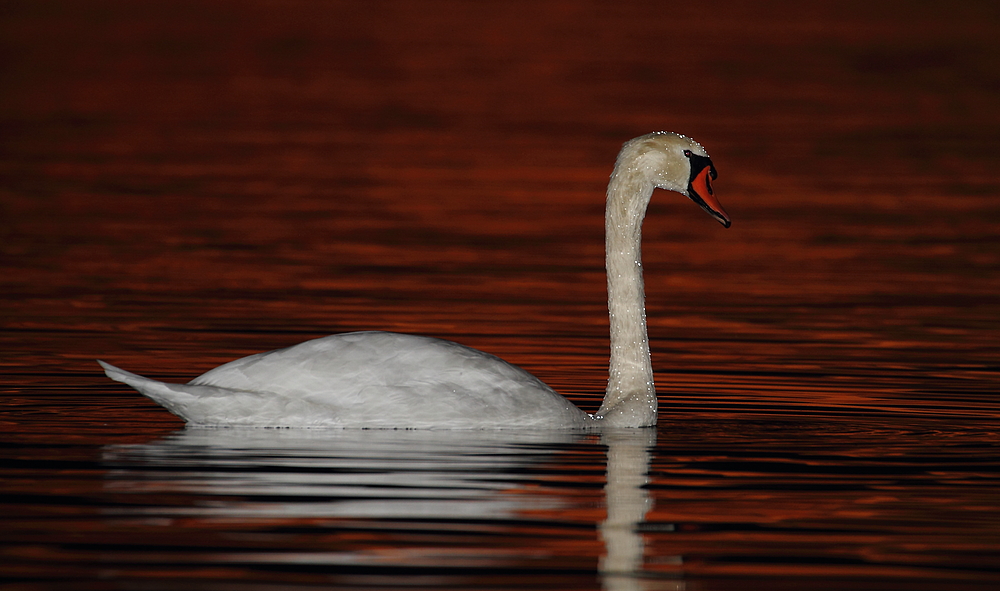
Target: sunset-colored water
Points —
{"points": [[182, 184]]}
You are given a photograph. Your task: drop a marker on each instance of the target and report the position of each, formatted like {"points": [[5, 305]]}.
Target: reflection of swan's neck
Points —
{"points": [[627, 502], [631, 397]]}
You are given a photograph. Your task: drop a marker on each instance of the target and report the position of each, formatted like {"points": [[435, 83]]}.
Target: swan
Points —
{"points": [[389, 380]]}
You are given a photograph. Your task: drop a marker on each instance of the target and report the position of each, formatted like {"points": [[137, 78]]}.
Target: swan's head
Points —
{"points": [[676, 163]]}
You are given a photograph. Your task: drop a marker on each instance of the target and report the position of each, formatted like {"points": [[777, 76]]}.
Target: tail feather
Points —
{"points": [[126, 377], [201, 405], [174, 397]]}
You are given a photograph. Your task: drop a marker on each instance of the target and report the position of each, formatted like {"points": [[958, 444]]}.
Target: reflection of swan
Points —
{"points": [[627, 500], [373, 474], [386, 380], [472, 489]]}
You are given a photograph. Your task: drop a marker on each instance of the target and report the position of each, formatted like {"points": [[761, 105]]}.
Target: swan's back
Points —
{"points": [[366, 380]]}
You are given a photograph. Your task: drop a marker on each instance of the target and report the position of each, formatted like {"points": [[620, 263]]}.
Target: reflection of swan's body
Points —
{"points": [[386, 380], [332, 473], [433, 499]]}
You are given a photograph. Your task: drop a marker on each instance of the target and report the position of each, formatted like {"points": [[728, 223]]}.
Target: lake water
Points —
{"points": [[187, 183]]}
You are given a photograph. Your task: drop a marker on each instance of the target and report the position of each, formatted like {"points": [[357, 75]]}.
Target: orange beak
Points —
{"points": [[700, 191]]}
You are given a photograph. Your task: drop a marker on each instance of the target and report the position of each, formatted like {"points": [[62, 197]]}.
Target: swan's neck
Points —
{"points": [[630, 400]]}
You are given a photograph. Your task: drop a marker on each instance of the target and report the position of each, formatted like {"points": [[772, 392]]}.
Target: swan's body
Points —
{"points": [[366, 380], [388, 380]]}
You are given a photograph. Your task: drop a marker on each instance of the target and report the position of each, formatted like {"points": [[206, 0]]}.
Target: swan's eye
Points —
{"points": [[687, 153]]}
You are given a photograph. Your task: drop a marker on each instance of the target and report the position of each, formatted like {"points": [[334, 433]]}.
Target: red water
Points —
{"points": [[184, 184]]}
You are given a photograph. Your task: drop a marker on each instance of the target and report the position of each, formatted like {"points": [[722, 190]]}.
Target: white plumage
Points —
{"points": [[389, 380]]}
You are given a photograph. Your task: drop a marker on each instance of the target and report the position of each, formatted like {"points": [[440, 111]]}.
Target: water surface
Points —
{"points": [[185, 184]]}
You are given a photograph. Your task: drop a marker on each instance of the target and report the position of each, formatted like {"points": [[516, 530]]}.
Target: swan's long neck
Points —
{"points": [[630, 400]]}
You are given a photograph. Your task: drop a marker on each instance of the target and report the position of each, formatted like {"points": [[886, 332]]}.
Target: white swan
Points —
{"points": [[388, 380]]}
